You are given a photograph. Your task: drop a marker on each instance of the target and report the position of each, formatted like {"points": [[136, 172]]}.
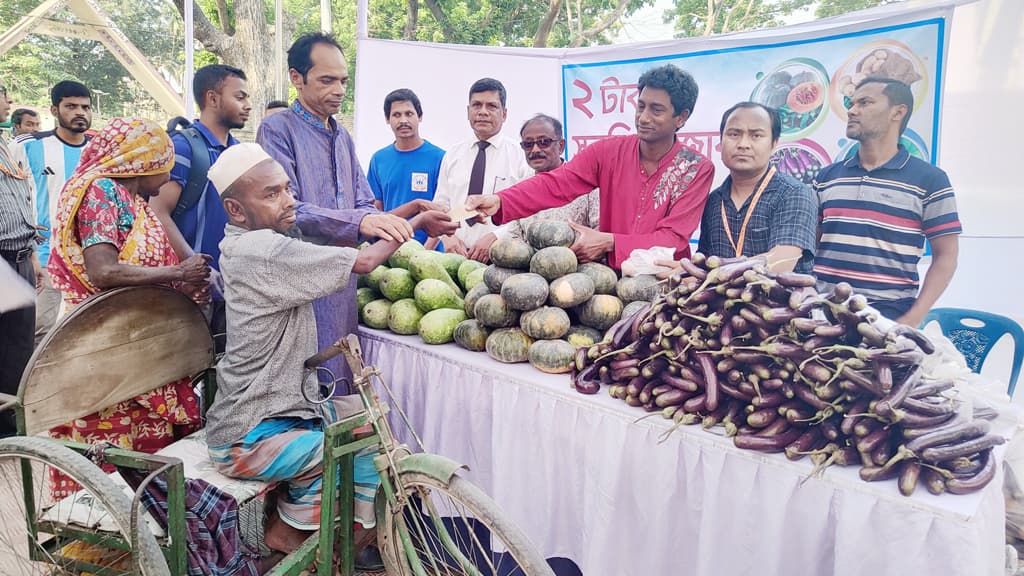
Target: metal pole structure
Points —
{"points": [[325, 16], [362, 9], [186, 84], [279, 89]]}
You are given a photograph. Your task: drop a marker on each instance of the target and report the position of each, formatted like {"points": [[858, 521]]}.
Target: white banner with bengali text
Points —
{"points": [[808, 79]]}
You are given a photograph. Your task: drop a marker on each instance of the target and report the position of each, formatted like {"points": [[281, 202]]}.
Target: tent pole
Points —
{"points": [[186, 84], [279, 91], [325, 16], [362, 9]]}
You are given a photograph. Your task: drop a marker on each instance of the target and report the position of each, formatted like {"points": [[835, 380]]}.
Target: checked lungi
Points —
{"points": [[290, 450]]}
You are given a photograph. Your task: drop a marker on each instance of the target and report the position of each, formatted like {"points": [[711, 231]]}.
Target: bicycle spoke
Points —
{"points": [[464, 544], [437, 545], [15, 543], [450, 541], [421, 533], [432, 547], [89, 537]]}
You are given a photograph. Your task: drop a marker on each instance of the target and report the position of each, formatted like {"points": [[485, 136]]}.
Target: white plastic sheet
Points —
{"points": [[644, 261], [589, 483]]}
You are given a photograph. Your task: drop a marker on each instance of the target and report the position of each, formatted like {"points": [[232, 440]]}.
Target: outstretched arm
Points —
{"points": [[945, 252], [676, 228]]}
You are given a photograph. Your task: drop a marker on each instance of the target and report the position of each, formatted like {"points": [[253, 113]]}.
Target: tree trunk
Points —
{"points": [[579, 17], [540, 40], [253, 52], [442, 19], [250, 48], [745, 21], [224, 17], [412, 13], [568, 15], [601, 26], [709, 24]]}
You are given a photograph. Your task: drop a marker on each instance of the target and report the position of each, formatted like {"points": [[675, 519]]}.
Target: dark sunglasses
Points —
{"points": [[543, 143]]}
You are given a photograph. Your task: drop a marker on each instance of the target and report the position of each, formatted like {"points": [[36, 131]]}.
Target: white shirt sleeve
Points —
{"points": [[443, 193], [519, 170], [502, 231]]}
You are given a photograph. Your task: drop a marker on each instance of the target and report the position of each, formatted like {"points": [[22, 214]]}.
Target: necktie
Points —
{"points": [[476, 176]]}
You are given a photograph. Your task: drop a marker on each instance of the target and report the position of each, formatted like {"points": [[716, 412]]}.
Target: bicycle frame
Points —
{"points": [[394, 459], [336, 511], [340, 448], [176, 556]]}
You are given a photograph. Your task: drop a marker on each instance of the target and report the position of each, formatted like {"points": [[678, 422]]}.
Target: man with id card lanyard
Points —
{"points": [[757, 209], [482, 165], [403, 174]]}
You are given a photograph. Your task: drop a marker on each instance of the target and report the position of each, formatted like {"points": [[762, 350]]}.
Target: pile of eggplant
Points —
{"points": [[785, 369]]}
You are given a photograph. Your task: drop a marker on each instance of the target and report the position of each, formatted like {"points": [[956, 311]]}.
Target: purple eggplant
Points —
{"points": [[775, 443], [976, 482], [909, 475], [951, 451], [955, 434]]}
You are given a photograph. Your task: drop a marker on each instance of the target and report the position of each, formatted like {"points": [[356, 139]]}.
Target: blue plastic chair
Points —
{"points": [[976, 342]]}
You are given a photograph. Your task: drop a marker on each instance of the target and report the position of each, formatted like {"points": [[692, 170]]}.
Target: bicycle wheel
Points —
{"points": [[100, 502], [454, 529]]}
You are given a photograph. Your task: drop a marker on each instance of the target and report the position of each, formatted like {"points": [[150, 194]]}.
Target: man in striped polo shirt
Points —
{"points": [[878, 207]]}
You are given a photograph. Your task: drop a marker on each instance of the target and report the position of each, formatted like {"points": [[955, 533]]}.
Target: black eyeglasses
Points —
{"points": [[543, 143]]}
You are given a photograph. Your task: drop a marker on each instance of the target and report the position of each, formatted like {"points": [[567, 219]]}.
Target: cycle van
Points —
{"points": [[430, 520]]}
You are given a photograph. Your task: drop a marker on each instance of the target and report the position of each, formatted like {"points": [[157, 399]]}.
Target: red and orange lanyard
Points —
{"points": [[738, 246]]}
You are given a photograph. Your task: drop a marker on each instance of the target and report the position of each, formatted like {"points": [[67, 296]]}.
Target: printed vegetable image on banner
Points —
{"points": [[809, 81]]}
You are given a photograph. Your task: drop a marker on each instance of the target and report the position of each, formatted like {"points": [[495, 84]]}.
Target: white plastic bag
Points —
{"points": [[642, 261]]}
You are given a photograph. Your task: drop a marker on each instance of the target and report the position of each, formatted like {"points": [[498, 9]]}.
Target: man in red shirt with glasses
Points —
{"points": [[542, 143], [652, 188]]}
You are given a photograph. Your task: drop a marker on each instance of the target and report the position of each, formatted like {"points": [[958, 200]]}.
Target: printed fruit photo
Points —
{"points": [[805, 97], [798, 89], [801, 159], [884, 59]]}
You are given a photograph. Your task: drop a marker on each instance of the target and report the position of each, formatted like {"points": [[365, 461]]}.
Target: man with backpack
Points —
{"points": [[189, 205]]}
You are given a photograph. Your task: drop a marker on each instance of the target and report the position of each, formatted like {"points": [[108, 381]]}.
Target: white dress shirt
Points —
{"points": [[506, 165]]}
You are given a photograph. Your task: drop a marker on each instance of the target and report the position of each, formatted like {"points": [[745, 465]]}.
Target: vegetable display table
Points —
{"points": [[587, 481]]}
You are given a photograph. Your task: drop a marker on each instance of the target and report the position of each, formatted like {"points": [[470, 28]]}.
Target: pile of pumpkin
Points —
{"points": [[534, 303]]}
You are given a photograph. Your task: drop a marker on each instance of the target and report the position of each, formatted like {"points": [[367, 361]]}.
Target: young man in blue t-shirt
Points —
{"points": [[223, 99], [403, 175]]}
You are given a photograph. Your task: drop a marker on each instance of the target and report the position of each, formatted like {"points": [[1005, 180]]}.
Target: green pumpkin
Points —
{"points": [[509, 345], [551, 356]]}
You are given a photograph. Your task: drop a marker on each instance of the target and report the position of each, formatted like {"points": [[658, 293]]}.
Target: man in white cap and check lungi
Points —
{"points": [[261, 426]]}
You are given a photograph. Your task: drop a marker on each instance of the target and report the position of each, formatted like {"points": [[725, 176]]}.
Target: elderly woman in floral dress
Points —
{"points": [[106, 236]]}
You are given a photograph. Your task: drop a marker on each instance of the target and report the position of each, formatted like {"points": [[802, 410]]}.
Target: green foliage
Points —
{"points": [[828, 8], [706, 17], [496, 22], [39, 61]]}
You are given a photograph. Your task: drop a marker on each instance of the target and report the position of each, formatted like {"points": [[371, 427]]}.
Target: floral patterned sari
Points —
{"points": [[93, 209]]}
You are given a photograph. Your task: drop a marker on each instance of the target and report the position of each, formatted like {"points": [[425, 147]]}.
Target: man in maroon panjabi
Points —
{"points": [[652, 188]]}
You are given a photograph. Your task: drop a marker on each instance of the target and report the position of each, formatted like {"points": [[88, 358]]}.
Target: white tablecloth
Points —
{"points": [[586, 481]]}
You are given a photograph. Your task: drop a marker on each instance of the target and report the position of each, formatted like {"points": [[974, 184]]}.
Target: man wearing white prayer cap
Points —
{"points": [[261, 422]]}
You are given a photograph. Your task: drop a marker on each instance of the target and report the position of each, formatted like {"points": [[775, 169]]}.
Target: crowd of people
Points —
{"points": [[263, 235]]}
